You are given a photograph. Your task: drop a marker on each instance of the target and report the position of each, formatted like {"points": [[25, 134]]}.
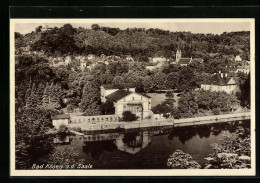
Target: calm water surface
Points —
{"points": [[149, 148]]}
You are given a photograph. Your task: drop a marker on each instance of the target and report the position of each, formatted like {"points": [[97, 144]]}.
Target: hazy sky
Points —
{"points": [[194, 27]]}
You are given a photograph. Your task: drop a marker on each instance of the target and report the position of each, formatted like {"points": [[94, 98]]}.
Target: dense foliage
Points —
{"points": [[181, 160], [41, 90], [31, 139], [233, 153], [129, 116], [198, 102], [138, 42], [66, 156]]}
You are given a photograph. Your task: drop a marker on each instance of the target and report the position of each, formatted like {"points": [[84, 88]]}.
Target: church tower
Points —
{"points": [[178, 55]]}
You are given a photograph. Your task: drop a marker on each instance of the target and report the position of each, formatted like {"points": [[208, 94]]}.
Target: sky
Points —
{"points": [[194, 27]]}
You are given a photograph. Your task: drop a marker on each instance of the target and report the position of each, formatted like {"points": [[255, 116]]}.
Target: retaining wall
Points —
{"points": [[160, 123]]}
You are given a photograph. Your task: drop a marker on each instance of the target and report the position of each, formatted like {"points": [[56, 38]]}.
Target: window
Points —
{"points": [[133, 98]]}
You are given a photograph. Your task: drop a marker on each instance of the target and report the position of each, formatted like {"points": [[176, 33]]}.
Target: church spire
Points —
{"points": [[178, 55]]}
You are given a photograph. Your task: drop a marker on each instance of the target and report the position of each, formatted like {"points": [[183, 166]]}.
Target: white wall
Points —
{"points": [[58, 122], [228, 89], [119, 106]]}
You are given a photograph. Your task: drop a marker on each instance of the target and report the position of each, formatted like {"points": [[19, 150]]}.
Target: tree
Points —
{"points": [[129, 116], [234, 151], [31, 140], [38, 29], [95, 27], [181, 160], [245, 92], [90, 102], [172, 80], [66, 156], [118, 81], [107, 108], [169, 94], [159, 80]]}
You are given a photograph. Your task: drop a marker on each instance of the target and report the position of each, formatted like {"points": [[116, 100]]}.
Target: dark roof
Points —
{"points": [[184, 61], [112, 86], [218, 80], [119, 94], [61, 116]]}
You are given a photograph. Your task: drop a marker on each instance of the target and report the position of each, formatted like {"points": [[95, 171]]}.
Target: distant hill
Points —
{"points": [[137, 42]]}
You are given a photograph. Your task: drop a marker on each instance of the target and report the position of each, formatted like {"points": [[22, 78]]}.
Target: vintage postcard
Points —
{"points": [[132, 97]]}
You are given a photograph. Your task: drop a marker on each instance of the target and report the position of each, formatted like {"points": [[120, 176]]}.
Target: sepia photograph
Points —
{"points": [[132, 97]]}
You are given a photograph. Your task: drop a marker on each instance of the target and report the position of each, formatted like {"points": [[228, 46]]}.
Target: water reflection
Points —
{"points": [[131, 143], [150, 147]]}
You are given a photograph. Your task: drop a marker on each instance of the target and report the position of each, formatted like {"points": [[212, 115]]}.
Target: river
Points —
{"points": [[149, 148]]}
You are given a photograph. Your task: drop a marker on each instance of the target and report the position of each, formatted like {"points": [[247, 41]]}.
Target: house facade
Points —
{"points": [[220, 82], [126, 99], [158, 59], [243, 69], [62, 119]]}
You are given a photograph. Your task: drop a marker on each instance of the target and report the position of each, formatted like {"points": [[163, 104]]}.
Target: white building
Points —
{"points": [[220, 82], [129, 58], [67, 59], [158, 59], [91, 57], [238, 58], [244, 69], [62, 119], [182, 61], [126, 99]]}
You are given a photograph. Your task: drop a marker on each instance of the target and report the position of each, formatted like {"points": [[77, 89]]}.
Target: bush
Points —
{"points": [[181, 160], [233, 153], [129, 116]]}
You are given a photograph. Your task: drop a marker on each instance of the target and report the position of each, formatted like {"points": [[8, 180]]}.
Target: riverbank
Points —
{"points": [[161, 123]]}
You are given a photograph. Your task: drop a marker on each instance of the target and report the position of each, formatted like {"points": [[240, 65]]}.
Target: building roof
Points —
{"points": [[61, 116], [119, 94], [112, 86], [184, 61], [218, 80], [198, 59]]}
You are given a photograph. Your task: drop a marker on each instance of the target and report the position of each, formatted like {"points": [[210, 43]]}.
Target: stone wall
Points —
{"points": [[93, 119]]}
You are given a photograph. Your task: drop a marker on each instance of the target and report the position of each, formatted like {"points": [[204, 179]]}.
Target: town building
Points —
{"points": [[238, 58], [125, 98], [91, 57], [62, 119], [129, 58], [45, 28], [153, 67], [220, 82], [83, 64], [158, 59], [67, 59], [182, 61], [243, 69]]}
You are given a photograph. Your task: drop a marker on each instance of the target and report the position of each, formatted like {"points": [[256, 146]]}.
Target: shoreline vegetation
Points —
{"points": [[42, 90]]}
